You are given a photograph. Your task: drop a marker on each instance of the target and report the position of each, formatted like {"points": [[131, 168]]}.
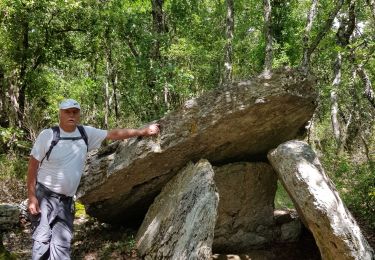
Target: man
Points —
{"points": [[54, 173]]}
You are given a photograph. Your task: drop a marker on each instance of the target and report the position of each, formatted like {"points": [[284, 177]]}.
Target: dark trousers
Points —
{"points": [[53, 227]]}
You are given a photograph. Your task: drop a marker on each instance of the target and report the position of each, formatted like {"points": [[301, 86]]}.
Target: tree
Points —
{"points": [[229, 32], [268, 36]]}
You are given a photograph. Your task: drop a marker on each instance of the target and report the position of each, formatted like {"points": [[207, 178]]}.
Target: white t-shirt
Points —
{"points": [[62, 172]]}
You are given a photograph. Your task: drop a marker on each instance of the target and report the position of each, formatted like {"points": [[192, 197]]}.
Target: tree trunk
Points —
{"points": [[106, 97], [368, 92], [306, 37], [17, 89], [347, 26], [114, 86], [314, 44], [156, 60], [268, 36], [158, 27], [334, 100], [371, 4], [229, 43], [4, 115]]}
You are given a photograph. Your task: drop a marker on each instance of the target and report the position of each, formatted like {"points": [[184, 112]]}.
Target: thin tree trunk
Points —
{"points": [[166, 94], [371, 4], [158, 26], [368, 91], [327, 25], [114, 85], [228, 72], [132, 48], [159, 29], [334, 100], [367, 151], [4, 117], [347, 25], [306, 37], [21, 95], [106, 97], [268, 36], [13, 96]]}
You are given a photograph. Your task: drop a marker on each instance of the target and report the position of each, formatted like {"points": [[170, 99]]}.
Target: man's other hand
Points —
{"points": [[33, 206], [153, 129]]}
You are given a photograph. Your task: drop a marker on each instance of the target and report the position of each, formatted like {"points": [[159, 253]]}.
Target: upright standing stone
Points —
{"points": [[246, 207], [180, 223], [318, 203]]}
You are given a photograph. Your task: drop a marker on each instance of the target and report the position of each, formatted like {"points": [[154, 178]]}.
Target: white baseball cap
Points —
{"points": [[69, 103]]}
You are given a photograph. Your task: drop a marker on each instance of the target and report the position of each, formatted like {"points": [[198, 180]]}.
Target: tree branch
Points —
{"points": [[368, 92], [321, 34]]}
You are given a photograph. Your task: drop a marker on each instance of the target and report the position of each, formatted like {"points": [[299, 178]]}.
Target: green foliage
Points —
{"points": [[4, 254], [12, 166], [80, 210], [356, 184], [12, 140], [354, 179], [282, 199]]}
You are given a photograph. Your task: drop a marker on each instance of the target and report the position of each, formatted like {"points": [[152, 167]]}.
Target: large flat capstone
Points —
{"points": [[237, 122]]}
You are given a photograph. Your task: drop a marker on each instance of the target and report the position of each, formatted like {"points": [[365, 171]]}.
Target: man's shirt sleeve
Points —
{"points": [[41, 144], [95, 137]]}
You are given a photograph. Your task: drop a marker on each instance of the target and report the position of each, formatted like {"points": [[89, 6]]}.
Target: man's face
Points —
{"points": [[69, 117]]}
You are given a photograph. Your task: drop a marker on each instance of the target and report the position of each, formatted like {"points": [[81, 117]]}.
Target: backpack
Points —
{"points": [[56, 138]]}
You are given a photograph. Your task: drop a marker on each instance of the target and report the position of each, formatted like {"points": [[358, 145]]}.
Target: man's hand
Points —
{"points": [[124, 133], [33, 206], [152, 130]]}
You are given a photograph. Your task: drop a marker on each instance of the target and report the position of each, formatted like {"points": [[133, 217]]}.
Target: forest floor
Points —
{"points": [[94, 240]]}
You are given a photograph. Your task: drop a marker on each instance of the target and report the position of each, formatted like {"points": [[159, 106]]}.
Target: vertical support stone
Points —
{"points": [[246, 207], [180, 223], [318, 203]]}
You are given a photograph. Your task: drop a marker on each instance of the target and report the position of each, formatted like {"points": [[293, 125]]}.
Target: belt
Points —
{"points": [[52, 194]]}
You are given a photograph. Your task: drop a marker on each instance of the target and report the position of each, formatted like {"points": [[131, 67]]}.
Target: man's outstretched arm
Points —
{"points": [[125, 133]]}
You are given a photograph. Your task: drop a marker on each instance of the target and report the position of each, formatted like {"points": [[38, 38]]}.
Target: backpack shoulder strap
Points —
{"points": [[55, 140], [83, 133]]}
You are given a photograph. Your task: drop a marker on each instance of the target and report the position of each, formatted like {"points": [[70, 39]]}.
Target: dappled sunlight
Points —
{"points": [[315, 180], [150, 233]]}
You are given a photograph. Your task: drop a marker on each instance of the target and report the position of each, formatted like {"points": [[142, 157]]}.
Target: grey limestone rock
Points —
{"points": [[246, 207], [180, 223], [9, 216], [318, 204]]}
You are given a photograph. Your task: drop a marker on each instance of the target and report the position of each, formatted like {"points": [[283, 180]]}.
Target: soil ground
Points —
{"points": [[94, 240], [99, 241]]}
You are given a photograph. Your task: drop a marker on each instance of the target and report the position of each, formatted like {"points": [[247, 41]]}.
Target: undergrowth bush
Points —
{"points": [[355, 182], [13, 166]]}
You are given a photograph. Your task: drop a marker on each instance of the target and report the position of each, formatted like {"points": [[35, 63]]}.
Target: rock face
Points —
{"points": [[9, 216], [288, 226], [318, 203], [180, 223], [240, 121], [246, 207]]}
